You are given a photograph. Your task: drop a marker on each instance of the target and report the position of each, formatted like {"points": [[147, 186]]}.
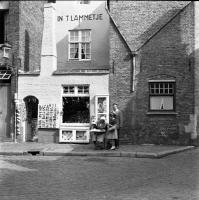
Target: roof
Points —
{"points": [[138, 21]]}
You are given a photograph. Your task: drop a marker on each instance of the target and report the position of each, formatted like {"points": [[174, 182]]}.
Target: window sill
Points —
{"points": [[36, 73], [161, 113], [79, 60], [81, 72]]}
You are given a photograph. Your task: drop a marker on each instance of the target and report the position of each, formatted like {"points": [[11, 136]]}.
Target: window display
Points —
{"points": [[74, 136], [76, 110], [67, 136], [102, 107]]}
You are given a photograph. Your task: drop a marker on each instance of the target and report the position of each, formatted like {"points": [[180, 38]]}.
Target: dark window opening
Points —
{"points": [[76, 110], [2, 27]]}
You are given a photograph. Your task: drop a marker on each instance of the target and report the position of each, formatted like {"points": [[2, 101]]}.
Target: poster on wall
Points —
{"points": [[47, 116], [20, 116]]}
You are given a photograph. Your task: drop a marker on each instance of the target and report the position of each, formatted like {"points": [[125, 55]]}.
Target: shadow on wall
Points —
{"points": [[27, 52], [167, 55]]}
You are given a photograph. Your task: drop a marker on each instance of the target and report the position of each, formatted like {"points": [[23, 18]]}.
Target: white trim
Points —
{"points": [[161, 80], [75, 125]]}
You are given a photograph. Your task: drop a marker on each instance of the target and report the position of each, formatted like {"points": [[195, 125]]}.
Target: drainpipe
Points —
{"points": [[16, 101]]}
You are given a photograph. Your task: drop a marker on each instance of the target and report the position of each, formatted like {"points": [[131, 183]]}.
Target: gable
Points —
{"points": [[137, 21]]}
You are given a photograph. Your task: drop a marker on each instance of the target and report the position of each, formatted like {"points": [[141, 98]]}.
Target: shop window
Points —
{"points": [[76, 105], [3, 26], [161, 96], [80, 44], [102, 107]]}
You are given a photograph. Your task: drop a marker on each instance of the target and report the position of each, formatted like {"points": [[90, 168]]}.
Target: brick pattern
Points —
{"points": [[168, 55], [25, 26], [31, 29]]}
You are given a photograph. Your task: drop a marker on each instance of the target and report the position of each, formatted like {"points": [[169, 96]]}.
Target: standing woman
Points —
{"points": [[119, 122], [112, 134]]}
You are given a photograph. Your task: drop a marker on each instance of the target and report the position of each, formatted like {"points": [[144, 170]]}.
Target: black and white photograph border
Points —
{"points": [[99, 100]]}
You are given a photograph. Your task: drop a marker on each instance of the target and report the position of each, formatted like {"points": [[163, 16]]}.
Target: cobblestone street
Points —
{"points": [[97, 178]]}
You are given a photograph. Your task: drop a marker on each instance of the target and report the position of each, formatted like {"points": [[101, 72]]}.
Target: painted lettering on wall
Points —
{"points": [[79, 17]]}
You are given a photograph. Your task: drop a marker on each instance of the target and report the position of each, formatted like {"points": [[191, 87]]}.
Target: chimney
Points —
{"points": [[49, 51]]}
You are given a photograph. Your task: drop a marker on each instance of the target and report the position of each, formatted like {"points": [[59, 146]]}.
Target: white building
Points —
{"points": [[73, 80]]}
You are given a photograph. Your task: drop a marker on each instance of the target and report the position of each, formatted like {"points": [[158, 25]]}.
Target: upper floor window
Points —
{"points": [[161, 96], [80, 44]]}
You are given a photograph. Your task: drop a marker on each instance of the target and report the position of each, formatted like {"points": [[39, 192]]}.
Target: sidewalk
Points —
{"points": [[52, 149]]}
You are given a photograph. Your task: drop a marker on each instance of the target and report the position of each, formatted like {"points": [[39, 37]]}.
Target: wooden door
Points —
{"points": [[4, 111]]}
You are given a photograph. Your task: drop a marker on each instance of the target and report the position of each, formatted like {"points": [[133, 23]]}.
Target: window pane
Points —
{"points": [[81, 135], [83, 52], [161, 88], [102, 105], [80, 89], [85, 36], [74, 36], [86, 89], [86, 51], [68, 89], [83, 89], [74, 50], [161, 103], [67, 135], [76, 110]]}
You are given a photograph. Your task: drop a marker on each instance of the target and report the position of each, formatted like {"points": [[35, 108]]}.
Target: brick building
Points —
{"points": [[21, 25], [154, 69]]}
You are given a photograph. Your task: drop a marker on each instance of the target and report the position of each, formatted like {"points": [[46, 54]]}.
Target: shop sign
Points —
{"points": [[71, 18]]}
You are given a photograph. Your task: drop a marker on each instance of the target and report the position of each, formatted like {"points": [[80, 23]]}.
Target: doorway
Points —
{"points": [[5, 105], [31, 128]]}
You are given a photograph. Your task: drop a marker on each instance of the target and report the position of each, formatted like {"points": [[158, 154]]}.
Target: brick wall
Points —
{"points": [[31, 29], [167, 55], [25, 25]]}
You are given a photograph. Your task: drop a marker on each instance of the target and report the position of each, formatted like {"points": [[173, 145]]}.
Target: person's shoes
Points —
{"points": [[113, 148]]}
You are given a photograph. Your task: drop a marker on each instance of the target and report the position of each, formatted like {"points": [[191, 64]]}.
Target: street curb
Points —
{"points": [[136, 154], [166, 153], [121, 154]]}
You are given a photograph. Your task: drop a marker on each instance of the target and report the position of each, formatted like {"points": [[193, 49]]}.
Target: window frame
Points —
{"points": [[75, 94], [80, 43], [173, 82]]}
